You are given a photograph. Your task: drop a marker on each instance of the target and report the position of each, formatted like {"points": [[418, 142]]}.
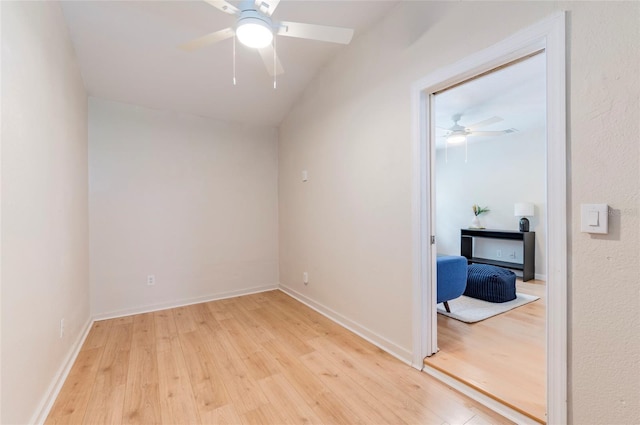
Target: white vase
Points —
{"points": [[475, 222]]}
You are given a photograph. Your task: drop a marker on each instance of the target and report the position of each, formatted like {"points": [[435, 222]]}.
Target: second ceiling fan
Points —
{"points": [[458, 133], [255, 28]]}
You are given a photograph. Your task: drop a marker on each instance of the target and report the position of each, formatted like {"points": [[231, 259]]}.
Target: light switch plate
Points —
{"points": [[594, 218]]}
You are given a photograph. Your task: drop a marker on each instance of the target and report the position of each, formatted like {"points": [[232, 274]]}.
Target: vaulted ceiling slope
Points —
{"points": [[128, 52]]}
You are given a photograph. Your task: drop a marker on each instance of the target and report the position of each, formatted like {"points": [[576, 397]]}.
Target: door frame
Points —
{"points": [[548, 35]]}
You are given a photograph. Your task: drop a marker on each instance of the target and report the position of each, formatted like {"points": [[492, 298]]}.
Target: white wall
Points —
{"points": [[190, 200], [350, 225], [44, 204], [498, 173]]}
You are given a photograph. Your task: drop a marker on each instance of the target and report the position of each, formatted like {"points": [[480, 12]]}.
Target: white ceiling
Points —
{"points": [[127, 52]]}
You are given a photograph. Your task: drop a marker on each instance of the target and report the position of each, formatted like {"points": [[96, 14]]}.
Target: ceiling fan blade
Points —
{"points": [[486, 122], [212, 38], [493, 133], [223, 6], [316, 32], [267, 6], [267, 54]]}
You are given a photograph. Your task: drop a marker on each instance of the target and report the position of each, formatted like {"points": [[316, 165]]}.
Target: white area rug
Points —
{"points": [[471, 310]]}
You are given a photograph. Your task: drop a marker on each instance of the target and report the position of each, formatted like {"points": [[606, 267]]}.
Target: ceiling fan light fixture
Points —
{"points": [[457, 137], [254, 32]]}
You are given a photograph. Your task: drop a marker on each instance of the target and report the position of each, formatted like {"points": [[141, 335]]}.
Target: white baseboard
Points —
{"points": [[58, 380], [395, 350], [184, 302], [538, 276], [496, 406]]}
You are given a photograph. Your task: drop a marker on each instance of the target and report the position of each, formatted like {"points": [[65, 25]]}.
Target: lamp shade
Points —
{"points": [[523, 209]]}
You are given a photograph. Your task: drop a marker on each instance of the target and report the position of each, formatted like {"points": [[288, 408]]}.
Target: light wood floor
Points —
{"points": [[503, 356], [257, 359]]}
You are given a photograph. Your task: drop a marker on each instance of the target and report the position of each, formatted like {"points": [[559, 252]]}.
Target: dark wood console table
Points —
{"points": [[528, 240]]}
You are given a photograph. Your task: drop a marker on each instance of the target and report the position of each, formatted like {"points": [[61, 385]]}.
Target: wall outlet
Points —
{"points": [[61, 328], [512, 255], [305, 278], [151, 280], [499, 253]]}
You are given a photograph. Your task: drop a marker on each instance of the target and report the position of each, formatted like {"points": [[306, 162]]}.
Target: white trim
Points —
{"points": [[548, 34], [182, 303], [46, 403], [381, 342], [557, 302], [420, 233], [506, 411]]}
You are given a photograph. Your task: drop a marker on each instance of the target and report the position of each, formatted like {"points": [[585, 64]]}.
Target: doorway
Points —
{"points": [[490, 152], [549, 36]]}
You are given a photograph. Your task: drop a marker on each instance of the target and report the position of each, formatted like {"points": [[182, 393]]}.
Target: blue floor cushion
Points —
{"points": [[490, 283]]}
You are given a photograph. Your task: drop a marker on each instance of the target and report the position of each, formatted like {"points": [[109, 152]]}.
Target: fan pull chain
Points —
{"points": [[234, 60], [446, 152], [465, 149], [275, 63]]}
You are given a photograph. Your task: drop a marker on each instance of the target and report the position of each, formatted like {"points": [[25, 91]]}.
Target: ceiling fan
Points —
{"points": [[255, 28], [458, 133]]}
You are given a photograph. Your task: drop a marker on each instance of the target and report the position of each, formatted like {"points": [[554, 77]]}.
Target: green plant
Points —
{"points": [[477, 209]]}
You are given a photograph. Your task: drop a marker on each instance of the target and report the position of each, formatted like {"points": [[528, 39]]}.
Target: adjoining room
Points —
{"points": [[490, 185]]}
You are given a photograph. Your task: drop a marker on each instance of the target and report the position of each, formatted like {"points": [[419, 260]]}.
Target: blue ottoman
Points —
{"points": [[490, 283]]}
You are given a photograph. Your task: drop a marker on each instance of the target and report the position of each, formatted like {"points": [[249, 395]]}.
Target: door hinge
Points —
{"points": [[433, 240]]}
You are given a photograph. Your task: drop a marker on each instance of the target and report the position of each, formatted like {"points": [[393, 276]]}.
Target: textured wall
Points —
{"points": [[605, 153], [350, 225], [45, 255], [190, 200]]}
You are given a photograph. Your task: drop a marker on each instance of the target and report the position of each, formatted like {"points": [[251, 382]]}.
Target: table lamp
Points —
{"points": [[523, 209]]}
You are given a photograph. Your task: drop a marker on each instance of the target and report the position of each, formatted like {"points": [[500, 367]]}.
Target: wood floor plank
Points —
{"points": [[242, 389], [239, 338], [107, 398], [265, 414], [71, 404], [164, 324], [368, 408], [283, 396], [205, 319], [225, 415], [386, 390], [219, 310], [326, 405], [142, 394], [185, 320], [177, 403], [263, 358], [254, 327], [143, 330], [283, 333], [261, 365], [206, 380], [98, 335]]}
